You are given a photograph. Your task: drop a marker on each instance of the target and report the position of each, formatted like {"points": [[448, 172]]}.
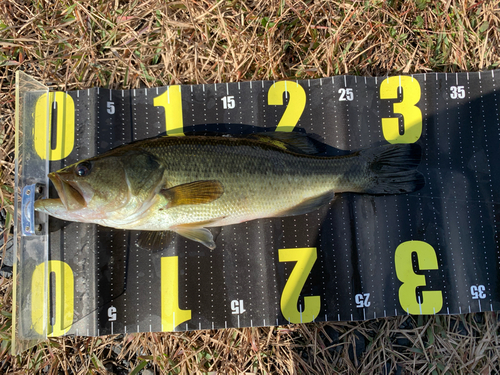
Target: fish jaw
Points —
{"points": [[69, 194], [54, 207], [71, 204]]}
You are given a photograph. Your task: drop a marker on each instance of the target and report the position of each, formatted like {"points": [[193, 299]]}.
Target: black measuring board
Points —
{"points": [[434, 251]]}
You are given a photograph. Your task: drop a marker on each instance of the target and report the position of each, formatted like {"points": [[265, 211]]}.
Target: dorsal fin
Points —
{"points": [[301, 143]]}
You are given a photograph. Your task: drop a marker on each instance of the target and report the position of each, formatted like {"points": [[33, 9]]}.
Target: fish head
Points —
{"points": [[92, 183], [89, 190]]}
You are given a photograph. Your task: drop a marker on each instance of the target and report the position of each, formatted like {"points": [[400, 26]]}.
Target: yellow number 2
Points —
{"points": [[62, 318], [427, 260], [295, 106], [412, 116], [305, 259]]}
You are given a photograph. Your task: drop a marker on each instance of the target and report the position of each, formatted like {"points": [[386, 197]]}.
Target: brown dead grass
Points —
{"points": [[124, 44], [425, 345], [120, 44]]}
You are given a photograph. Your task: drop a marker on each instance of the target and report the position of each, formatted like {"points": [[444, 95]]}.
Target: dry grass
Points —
{"points": [[119, 44], [127, 44], [426, 345]]}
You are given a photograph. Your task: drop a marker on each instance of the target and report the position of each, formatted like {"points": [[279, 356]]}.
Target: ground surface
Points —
{"points": [[128, 44]]}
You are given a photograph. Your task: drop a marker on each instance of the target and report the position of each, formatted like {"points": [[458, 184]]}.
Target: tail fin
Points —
{"points": [[394, 169]]}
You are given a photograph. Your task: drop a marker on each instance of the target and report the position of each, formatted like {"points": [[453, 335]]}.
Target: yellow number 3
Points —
{"points": [[427, 260], [412, 116]]}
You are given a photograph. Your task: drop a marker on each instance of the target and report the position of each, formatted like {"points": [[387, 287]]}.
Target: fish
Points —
{"points": [[185, 185]]}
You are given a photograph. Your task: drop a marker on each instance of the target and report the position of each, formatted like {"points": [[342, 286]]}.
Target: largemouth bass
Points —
{"points": [[187, 184]]}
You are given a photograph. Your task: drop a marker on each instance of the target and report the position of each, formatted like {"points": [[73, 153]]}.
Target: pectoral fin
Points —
{"points": [[198, 234], [308, 205], [155, 240], [197, 192]]}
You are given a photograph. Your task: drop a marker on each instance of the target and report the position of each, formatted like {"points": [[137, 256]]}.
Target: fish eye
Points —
{"points": [[83, 169]]}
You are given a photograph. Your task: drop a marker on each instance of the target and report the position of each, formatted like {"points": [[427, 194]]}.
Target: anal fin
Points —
{"points": [[198, 234]]}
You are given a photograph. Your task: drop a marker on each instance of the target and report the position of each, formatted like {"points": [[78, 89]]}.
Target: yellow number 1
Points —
{"points": [[171, 101], [412, 116], [171, 314]]}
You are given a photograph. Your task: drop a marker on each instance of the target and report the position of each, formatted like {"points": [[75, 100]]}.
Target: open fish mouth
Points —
{"points": [[69, 194]]}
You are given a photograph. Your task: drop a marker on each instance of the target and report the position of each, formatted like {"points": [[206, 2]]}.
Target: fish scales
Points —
{"points": [[259, 180]]}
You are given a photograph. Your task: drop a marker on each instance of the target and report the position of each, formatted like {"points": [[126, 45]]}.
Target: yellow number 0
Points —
{"points": [[65, 135], [171, 101], [295, 106], [64, 298], [412, 116], [305, 259], [427, 260]]}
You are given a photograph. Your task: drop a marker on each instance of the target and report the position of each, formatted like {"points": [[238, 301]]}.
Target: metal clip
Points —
{"points": [[28, 217]]}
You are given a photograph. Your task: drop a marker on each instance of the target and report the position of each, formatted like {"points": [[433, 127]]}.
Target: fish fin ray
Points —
{"points": [[394, 169], [301, 143], [198, 234], [154, 241], [308, 205], [197, 192]]}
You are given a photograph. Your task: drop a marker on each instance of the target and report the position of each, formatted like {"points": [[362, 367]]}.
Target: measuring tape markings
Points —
{"points": [[488, 150], [407, 108], [466, 99]]}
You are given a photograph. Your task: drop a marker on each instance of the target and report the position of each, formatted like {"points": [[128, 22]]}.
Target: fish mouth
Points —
{"points": [[69, 194]]}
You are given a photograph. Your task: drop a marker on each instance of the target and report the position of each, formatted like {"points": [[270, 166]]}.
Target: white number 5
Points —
{"points": [[110, 107]]}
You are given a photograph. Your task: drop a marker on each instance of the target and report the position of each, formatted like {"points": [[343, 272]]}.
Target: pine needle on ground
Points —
{"points": [[124, 44]]}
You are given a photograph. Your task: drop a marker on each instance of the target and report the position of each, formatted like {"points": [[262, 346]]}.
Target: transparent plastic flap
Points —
{"points": [[30, 245]]}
